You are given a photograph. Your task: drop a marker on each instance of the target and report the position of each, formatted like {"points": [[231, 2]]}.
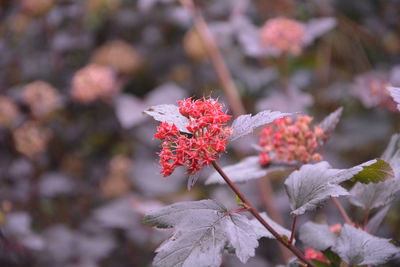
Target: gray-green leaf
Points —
{"points": [[329, 123], [357, 247], [202, 229], [374, 173], [368, 196], [246, 124], [317, 236], [247, 169], [313, 183], [168, 113], [261, 231], [376, 220], [392, 154]]}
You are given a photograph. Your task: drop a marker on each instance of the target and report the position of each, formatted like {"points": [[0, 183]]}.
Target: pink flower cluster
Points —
{"points": [[94, 82], [207, 140], [283, 34], [288, 141]]}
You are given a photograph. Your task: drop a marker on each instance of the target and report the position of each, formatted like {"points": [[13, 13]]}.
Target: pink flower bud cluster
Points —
{"points": [[312, 254], [93, 82], [288, 141], [31, 139], [207, 140], [285, 35], [41, 97]]}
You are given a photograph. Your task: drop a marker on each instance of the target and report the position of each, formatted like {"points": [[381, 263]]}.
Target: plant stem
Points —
{"points": [[342, 211], [257, 215], [293, 229], [216, 59], [230, 91], [268, 201], [365, 220]]}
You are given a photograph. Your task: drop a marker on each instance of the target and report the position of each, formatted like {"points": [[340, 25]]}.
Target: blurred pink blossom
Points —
{"points": [[31, 139], [41, 97], [370, 88], [94, 82], [283, 34]]}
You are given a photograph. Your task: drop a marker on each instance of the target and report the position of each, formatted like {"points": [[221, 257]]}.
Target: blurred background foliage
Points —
{"points": [[78, 164]]}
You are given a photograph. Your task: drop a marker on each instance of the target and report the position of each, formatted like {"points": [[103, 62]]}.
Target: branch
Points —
{"points": [[257, 215], [216, 59]]}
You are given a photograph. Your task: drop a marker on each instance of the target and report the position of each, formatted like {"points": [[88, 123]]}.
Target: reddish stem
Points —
{"points": [[216, 59], [257, 215], [342, 211], [293, 229], [365, 220]]}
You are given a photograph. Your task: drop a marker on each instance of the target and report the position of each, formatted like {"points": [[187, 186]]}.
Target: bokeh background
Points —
{"points": [[78, 163]]}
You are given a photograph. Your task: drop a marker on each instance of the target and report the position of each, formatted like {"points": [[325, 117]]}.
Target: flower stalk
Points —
{"points": [[257, 215], [342, 211]]}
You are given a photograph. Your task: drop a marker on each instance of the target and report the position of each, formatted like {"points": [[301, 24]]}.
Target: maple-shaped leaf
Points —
{"points": [[309, 186], [368, 196], [202, 230], [169, 113], [246, 124], [317, 236], [357, 247], [329, 123], [261, 231], [395, 93], [247, 169], [392, 154], [376, 220]]}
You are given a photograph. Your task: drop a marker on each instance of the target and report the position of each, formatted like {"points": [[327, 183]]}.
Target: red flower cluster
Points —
{"points": [[206, 141], [289, 141]]}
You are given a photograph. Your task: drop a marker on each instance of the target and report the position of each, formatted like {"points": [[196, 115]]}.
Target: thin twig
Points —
{"points": [[216, 59], [293, 229], [365, 220], [257, 215], [342, 211]]}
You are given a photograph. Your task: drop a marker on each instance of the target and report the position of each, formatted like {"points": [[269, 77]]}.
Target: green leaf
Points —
{"points": [[320, 264], [201, 232], [374, 173], [332, 257]]}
